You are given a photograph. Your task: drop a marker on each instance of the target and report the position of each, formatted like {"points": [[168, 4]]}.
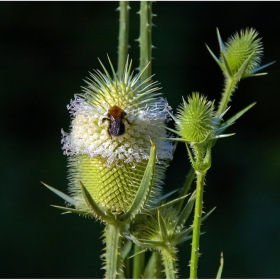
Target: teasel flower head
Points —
{"points": [[108, 146], [240, 57], [241, 46], [198, 126], [195, 119]]}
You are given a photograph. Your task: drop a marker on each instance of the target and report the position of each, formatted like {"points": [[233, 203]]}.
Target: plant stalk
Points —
{"points": [[123, 36], [113, 240], [168, 258], [138, 263], [197, 224], [145, 57], [145, 39], [153, 269]]}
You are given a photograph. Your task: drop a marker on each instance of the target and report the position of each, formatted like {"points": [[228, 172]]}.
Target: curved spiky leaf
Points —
{"points": [[144, 243], [138, 253], [207, 215], [182, 236], [227, 69], [145, 187], [243, 68], [167, 204], [223, 136], [161, 198], [186, 211], [221, 43], [215, 58], [232, 120], [162, 227], [61, 194], [260, 68], [93, 206], [71, 210]]}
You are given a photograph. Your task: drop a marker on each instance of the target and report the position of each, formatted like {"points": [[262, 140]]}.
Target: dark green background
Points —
{"points": [[47, 49]]}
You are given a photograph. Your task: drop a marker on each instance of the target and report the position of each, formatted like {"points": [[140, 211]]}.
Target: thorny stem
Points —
{"points": [[168, 258], [196, 224], [123, 36], [113, 240], [145, 42], [145, 39]]}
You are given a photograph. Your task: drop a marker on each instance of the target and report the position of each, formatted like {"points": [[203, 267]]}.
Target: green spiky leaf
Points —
{"points": [[167, 204], [215, 58], [226, 67], [182, 236], [144, 243], [93, 206], [207, 215], [145, 187], [186, 211], [232, 120], [243, 68], [61, 194], [260, 68], [162, 226], [72, 210]]}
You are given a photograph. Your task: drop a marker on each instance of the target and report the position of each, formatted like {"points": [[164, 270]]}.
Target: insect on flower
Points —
{"points": [[116, 119]]}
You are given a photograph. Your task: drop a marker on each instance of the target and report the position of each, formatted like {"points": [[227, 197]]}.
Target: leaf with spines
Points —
{"points": [[93, 206], [144, 190], [61, 194], [185, 213]]}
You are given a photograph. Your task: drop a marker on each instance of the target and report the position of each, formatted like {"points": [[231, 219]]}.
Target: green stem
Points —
{"points": [[138, 263], [145, 58], [168, 258], [153, 269], [145, 37], [113, 240], [230, 87], [123, 36], [196, 224]]}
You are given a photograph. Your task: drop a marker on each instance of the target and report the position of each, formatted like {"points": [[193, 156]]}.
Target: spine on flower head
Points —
{"points": [[108, 145]]}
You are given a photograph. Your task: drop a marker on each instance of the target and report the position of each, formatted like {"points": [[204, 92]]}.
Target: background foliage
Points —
{"points": [[47, 48]]}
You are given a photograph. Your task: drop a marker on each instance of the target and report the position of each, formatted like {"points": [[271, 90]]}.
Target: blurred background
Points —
{"points": [[47, 49]]}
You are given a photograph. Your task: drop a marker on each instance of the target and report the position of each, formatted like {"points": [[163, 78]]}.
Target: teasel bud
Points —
{"points": [[195, 119], [197, 125], [108, 147], [241, 47], [240, 56]]}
